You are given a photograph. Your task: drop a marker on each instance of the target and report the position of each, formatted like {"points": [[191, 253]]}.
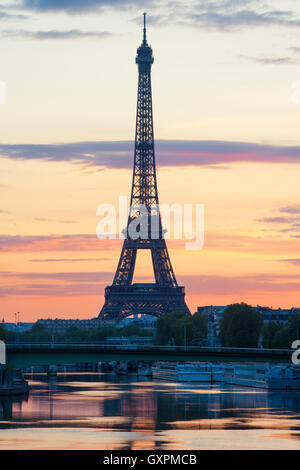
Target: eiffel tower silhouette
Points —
{"points": [[123, 298]]}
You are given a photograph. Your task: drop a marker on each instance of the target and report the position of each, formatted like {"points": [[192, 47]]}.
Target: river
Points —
{"points": [[105, 411]]}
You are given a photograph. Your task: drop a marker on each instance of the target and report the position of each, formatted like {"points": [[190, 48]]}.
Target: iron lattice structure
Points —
{"points": [[123, 298]]}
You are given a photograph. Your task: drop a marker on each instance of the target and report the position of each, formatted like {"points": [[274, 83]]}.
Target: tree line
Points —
{"points": [[39, 333], [241, 326]]}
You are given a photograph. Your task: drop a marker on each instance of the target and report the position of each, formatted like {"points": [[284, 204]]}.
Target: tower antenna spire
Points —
{"points": [[144, 31]]}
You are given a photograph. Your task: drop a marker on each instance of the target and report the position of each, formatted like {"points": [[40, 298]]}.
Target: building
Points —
{"points": [[19, 327], [278, 315], [209, 309], [214, 314], [143, 321], [60, 326]]}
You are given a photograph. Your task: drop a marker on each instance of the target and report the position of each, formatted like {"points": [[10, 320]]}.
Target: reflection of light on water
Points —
{"points": [[143, 445], [36, 383], [82, 438], [264, 422], [144, 383], [59, 373], [87, 384], [86, 422], [63, 414], [227, 440], [97, 393], [240, 409], [64, 438], [220, 392], [294, 435]]}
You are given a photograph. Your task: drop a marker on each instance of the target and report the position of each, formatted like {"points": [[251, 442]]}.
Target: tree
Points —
{"points": [[294, 329], [183, 330], [271, 334], [133, 330], [200, 325], [37, 333], [240, 326], [180, 328], [166, 329], [282, 338], [278, 335]]}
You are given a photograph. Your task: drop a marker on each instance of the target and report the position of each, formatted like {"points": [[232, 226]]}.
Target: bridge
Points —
{"points": [[37, 354]]}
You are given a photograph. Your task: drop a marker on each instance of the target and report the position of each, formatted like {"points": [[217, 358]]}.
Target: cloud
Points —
{"points": [[292, 219], [48, 243], [4, 212], [66, 260], [270, 244], [248, 18], [294, 261], [54, 34], [43, 219], [214, 240], [272, 60], [233, 285], [119, 154], [55, 284], [292, 228], [77, 6], [220, 15], [91, 283], [292, 209], [11, 16], [65, 277], [295, 50], [232, 15], [278, 220]]}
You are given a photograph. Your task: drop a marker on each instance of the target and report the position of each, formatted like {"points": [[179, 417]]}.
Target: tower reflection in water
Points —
{"points": [[142, 411]]}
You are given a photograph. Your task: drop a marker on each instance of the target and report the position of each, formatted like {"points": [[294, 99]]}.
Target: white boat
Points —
{"points": [[188, 372], [263, 376]]}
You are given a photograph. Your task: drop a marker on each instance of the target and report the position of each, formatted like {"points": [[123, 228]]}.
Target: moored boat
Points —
{"points": [[188, 372], [278, 377]]}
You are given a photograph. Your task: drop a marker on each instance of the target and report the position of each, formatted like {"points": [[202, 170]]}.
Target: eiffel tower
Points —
{"points": [[123, 298]]}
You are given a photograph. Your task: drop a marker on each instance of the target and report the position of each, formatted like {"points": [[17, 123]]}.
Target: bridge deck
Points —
{"points": [[35, 354]]}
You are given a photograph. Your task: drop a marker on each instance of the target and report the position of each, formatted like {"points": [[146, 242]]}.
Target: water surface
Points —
{"points": [[105, 411]]}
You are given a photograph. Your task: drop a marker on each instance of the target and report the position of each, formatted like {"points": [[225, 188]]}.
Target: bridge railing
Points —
{"points": [[141, 347]]}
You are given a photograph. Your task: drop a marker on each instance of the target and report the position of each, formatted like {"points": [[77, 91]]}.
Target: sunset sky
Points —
{"points": [[227, 129]]}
